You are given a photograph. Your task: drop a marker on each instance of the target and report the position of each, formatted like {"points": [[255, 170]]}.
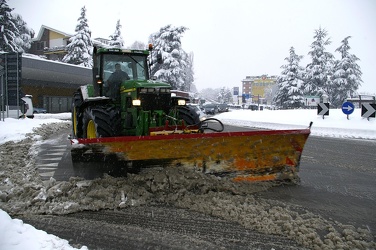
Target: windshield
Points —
{"points": [[133, 65]]}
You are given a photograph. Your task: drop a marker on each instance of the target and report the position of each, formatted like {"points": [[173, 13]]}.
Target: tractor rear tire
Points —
{"points": [[77, 115], [189, 115], [101, 121]]}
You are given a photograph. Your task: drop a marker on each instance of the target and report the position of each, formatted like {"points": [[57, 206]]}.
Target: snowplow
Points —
{"points": [[130, 116]]}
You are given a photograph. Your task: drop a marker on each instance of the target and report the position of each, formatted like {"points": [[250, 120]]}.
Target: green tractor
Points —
{"points": [[123, 100], [127, 116]]}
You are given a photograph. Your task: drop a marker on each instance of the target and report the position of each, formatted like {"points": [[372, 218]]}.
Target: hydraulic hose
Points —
{"points": [[205, 125]]}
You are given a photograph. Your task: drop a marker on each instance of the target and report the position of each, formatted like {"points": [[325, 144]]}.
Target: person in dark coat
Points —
{"points": [[115, 80]]}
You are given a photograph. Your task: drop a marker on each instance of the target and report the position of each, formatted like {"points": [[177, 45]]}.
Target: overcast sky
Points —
{"points": [[230, 39]]}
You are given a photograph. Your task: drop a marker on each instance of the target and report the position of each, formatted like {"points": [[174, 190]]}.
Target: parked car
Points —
{"points": [[230, 106], [211, 109], [253, 107], [39, 110], [223, 107]]}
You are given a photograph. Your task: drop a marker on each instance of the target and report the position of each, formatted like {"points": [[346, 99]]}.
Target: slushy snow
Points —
{"points": [[16, 235]]}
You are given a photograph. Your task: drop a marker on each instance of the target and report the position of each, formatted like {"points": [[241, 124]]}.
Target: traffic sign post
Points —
{"points": [[323, 109], [348, 108], [368, 110]]}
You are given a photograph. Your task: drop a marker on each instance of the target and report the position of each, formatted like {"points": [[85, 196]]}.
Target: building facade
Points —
{"points": [[258, 89], [50, 43]]}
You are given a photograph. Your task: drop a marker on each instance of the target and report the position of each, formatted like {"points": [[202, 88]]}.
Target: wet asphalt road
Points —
{"points": [[338, 181]]}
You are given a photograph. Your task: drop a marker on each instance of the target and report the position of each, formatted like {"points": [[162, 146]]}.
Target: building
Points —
{"points": [[50, 81], [257, 89], [101, 41], [50, 43]]}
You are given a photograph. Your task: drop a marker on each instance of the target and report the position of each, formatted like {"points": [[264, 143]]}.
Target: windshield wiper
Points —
{"points": [[142, 66]]}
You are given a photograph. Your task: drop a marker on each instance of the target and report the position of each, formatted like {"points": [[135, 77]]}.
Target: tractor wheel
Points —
{"points": [[101, 121], [189, 115], [77, 115]]}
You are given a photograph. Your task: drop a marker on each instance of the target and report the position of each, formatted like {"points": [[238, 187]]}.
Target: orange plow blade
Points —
{"points": [[261, 155]]}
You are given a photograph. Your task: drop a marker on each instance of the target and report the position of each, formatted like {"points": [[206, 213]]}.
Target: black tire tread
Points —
{"points": [[76, 104], [106, 118], [189, 115]]}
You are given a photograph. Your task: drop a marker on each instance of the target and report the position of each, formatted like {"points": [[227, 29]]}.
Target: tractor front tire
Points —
{"points": [[101, 121]]}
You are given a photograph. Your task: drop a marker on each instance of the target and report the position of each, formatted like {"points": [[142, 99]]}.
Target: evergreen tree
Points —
{"points": [[210, 94], [193, 89], [9, 34], [138, 45], [188, 72], [173, 69], [116, 38], [290, 83], [318, 72], [224, 95], [81, 46], [347, 74], [26, 34]]}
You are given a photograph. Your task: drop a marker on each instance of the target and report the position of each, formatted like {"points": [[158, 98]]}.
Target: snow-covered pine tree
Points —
{"points": [[9, 34], [80, 48], [318, 72], [167, 42], [138, 45], [188, 72], [228, 96], [116, 40], [290, 83], [347, 74], [221, 95], [26, 34], [210, 94], [224, 95]]}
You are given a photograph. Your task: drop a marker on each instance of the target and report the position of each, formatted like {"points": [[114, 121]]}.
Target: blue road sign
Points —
{"points": [[348, 108]]}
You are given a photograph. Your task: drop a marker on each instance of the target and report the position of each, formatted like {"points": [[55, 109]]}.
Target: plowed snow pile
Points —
{"points": [[22, 191]]}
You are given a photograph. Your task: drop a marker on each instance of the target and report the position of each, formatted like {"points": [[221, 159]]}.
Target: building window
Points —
{"points": [[41, 45]]}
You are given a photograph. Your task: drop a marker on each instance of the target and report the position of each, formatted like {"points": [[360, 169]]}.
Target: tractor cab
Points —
{"points": [[113, 68]]}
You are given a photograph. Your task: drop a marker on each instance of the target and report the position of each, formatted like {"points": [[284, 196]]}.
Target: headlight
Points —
{"points": [[136, 102], [181, 102]]}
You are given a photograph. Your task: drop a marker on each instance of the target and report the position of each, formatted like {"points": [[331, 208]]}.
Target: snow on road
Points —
{"points": [[335, 125], [17, 235], [21, 189]]}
